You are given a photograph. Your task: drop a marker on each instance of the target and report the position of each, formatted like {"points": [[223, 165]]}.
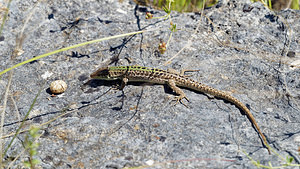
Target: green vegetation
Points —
{"points": [[31, 146], [179, 5], [280, 4], [286, 162], [197, 5]]}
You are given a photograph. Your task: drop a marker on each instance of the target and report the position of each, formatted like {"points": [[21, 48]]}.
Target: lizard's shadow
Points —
{"points": [[94, 83]]}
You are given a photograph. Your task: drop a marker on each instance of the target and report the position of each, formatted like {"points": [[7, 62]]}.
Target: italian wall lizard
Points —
{"points": [[173, 80]]}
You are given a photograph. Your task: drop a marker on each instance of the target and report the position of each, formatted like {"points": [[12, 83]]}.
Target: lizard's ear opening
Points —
{"points": [[100, 73]]}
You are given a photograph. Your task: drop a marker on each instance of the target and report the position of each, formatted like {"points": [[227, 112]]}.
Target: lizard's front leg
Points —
{"points": [[177, 90], [123, 84]]}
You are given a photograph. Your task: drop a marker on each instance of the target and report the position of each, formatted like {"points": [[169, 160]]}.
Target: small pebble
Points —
{"points": [[58, 86], [150, 162]]}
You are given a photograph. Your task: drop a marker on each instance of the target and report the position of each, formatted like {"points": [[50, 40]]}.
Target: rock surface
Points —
{"points": [[237, 46]]}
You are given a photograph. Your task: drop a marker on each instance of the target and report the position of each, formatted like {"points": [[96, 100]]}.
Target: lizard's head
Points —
{"points": [[102, 73]]}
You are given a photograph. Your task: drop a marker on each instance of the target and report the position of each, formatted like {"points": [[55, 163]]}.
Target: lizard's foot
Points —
{"points": [[173, 71], [116, 87], [179, 99], [121, 87], [182, 71], [187, 70]]}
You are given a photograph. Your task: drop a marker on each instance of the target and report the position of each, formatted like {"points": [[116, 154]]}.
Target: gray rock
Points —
{"points": [[239, 47]]}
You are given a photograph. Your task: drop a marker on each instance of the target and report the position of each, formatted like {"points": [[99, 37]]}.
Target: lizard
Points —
{"points": [[174, 81]]}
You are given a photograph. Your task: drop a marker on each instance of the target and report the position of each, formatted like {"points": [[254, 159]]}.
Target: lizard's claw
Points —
{"points": [[179, 99], [116, 87]]}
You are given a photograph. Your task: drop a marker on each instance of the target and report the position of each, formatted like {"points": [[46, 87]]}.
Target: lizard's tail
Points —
{"points": [[225, 96]]}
